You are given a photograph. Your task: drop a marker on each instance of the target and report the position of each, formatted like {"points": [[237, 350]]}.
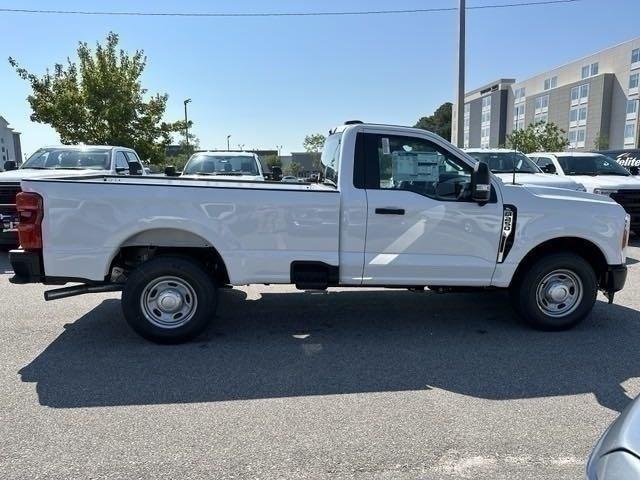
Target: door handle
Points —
{"points": [[390, 211]]}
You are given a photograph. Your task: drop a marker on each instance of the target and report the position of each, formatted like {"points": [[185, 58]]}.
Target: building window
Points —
{"points": [[486, 101], [467, 116], [632, 108], [518, 117], [633, 83], [541, 109], [577, 137], [630, 134], [2, 149], [485, 133], [577, 116], [580, 94], [550, 83], [486, 117], [590, 70], [635, 58], [519, 94]]}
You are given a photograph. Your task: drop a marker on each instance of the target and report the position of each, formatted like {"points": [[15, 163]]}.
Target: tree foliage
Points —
{"points": [[100, 100], [293, 168], [538, 137], [601, 142], [272, 161], [314, 142], [438, 123]]}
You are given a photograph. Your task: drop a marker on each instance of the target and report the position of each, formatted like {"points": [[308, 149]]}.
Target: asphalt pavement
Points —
{"points": [[357, 384]]}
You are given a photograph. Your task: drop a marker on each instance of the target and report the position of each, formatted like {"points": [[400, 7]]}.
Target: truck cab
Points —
{"points": [[243, 166]]}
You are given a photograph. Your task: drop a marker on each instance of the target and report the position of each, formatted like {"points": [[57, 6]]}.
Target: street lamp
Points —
{"points": [[186, 122], [228, 137]]}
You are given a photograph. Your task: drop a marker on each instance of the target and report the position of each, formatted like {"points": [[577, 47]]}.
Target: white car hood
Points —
{"points": [[614, 182], [542, 179], [27, 173], [236, 178]]}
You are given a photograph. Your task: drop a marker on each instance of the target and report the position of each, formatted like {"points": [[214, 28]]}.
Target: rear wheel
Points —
{"points": [[169, 299], [556, 293]]}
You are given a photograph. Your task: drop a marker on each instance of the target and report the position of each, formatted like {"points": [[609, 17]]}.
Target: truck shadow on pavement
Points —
{"points": [[298, 344]]}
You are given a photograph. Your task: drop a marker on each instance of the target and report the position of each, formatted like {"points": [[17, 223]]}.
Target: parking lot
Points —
{"points": [[347, 384]]}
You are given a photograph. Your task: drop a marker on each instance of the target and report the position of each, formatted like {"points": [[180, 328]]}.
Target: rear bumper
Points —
{"points": [[27, 266], [615, 278]]}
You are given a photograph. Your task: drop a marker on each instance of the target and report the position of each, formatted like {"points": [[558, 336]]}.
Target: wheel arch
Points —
{"points": [[142, 246], [588, 250]]}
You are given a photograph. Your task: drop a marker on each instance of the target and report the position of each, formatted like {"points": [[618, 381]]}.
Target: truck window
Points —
{"points": [[416, 165], [330, 159], [122, 165]]}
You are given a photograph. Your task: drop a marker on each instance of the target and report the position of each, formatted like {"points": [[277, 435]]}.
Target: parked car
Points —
{"points": [[239, 166], [629, 158], [291, 179], [502, 161], [398, 207], [65, 161], [616, 456], [599, 174]]}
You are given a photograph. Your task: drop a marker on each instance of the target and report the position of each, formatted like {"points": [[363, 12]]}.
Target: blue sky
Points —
{"points": [[271, 81]]}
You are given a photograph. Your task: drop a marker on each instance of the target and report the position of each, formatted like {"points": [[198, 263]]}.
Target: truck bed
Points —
{"points": [[258, 228]]}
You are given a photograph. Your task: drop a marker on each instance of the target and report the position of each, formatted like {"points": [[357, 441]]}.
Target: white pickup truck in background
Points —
{"points": [[599, 174], [502, 162], [398, 207], [241, 166], [63, 160]]}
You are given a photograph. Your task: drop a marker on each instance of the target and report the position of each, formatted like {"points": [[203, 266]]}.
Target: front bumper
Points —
{"points": [[27, 266], [614, 278]]}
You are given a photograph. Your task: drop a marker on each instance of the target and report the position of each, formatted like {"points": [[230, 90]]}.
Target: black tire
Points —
{"points": [[524, 292], [200, 299]]}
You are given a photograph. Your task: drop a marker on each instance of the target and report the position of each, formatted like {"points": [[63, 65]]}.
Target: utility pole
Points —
{"points": [[186, 123], [228, 137], [461, 70]]}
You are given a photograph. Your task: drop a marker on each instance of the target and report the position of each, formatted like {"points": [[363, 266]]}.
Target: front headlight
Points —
{"points": [[604, 191], [580, 188]]}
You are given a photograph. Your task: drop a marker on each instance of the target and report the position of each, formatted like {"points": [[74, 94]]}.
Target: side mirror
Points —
{"points": [[10, 165], [135, 168], [170, 171], [551, 168], [635, 170], [481, 183]]}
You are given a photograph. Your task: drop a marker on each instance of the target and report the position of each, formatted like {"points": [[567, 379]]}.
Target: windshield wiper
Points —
{"points": [[35, 168], [71, 168]]}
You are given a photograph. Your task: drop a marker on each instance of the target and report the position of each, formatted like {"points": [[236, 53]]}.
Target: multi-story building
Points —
{"points": [[594, 100], [485, 115], [10, 148]]}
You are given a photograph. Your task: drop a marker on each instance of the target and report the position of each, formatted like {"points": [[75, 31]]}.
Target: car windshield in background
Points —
{"points": [[591, 165], [68, 159], [502, 162], [207, 164]]}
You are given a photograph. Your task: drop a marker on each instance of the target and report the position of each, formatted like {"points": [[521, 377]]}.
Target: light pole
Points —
{"points": [[461, 70], [228, 137], [186, 123], [279, 147]]}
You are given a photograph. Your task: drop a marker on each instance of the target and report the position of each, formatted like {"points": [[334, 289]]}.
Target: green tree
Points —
{"points": [[538, 137], [293, 168], [438, 123], [601, 142], [100, 100], [272, 161], [314, 144]]}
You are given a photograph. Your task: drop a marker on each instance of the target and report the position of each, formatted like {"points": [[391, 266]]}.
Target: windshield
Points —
{"points": [[330, 159], [68, 159], [591, 165], [502, 162], [212, 164]]}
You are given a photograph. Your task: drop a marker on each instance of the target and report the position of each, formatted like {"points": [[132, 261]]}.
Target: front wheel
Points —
{"points": [[556, 293], [169, 299]]}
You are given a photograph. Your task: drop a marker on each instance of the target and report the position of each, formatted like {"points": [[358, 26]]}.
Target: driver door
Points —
{"points": [[422, 227]]}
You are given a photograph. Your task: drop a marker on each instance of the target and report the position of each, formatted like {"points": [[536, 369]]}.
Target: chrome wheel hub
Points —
{"points": [[559, 293], [168, 302]]}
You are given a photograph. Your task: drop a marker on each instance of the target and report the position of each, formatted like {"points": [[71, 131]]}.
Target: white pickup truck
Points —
{"points": [[63, 160], [398, 207]]}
